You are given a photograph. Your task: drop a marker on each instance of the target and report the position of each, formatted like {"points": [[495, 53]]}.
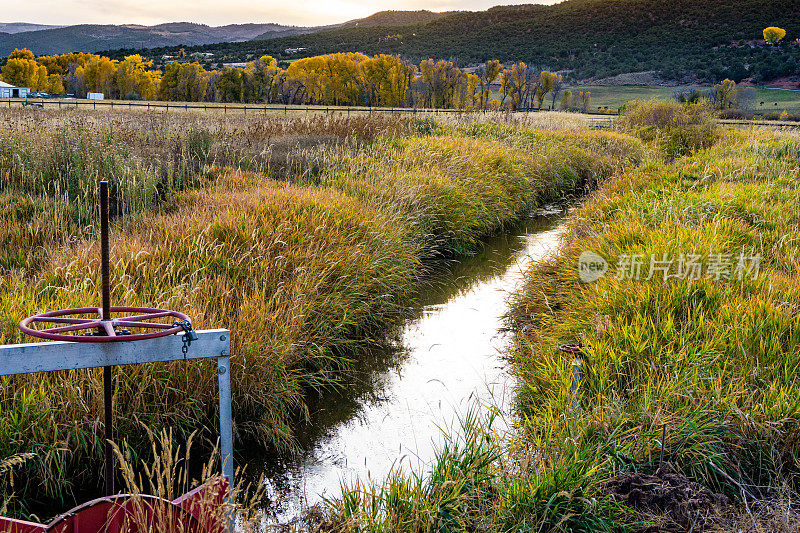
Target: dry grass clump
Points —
{"points": [[294, 272], [169, 470], [699, 376], [542, 120], [458, 186], [677, 129], [50, 163]]}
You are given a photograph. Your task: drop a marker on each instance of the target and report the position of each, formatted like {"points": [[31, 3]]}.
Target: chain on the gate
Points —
{"points": [[189, 335]]}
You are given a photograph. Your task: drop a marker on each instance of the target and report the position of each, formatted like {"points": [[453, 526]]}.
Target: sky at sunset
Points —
{"points": [[220, 12]]}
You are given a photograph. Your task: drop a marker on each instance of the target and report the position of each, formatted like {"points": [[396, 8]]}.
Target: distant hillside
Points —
{"points": [[17, 27], [396, 18], [680, 39], [381, 18], [94, 38]]}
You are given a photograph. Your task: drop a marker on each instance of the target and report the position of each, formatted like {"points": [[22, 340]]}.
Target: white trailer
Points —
{"points": [[95, 96]]}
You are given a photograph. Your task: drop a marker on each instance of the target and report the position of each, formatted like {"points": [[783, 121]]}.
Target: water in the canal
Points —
{"points": [[448, 357]]}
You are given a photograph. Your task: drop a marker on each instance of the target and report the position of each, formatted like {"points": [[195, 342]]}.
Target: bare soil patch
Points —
{"points": [[666, 501]]}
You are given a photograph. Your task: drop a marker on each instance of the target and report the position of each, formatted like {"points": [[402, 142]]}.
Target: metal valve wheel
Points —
{"points": [[70, 326]]}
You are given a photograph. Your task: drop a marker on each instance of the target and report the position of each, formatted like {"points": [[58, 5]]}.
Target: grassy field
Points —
{"points": [[309, 235], [305, 236], [685, 415], [614, 97]]}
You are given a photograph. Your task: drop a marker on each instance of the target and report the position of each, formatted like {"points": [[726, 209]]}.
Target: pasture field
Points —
{"points": [[305, 236], [693, 375], [615, 96]]}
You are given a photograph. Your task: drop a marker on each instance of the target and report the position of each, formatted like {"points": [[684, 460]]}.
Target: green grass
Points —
{"points": [[480, 481], [614, 97], [304, 237]]}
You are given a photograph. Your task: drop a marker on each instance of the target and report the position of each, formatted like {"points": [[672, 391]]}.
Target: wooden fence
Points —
{"points": [[596, 119]]}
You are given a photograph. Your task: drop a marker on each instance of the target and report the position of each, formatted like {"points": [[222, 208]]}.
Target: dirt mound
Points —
{"points": [[670, 502]]}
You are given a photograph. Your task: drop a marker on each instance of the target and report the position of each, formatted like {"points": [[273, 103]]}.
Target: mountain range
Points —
{"points": [[97, 37], [682, 40], [47, 40], [19, 27]]}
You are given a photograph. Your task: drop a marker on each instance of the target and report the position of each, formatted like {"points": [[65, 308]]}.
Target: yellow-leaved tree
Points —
{"points": [[101, 73], [774, 35], [22, 70], [487, 74], [135, 78]]}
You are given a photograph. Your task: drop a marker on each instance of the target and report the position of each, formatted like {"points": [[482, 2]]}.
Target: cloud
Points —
{"points": [[214, 12]]}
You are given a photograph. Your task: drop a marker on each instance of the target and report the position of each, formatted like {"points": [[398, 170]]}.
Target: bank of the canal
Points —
{"points": [[445, 360]]}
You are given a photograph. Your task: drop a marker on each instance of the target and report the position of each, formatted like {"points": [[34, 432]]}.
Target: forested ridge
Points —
{"points": [[681, 39]]}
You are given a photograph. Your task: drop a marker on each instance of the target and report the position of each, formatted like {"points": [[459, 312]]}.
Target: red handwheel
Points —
{"points": [[128, 324]]}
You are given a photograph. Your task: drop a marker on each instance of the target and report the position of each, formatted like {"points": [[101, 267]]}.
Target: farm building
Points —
{"points": [[9, 91]]}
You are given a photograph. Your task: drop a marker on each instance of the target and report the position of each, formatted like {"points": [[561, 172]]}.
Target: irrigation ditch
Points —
{"points": [[445, 360]]}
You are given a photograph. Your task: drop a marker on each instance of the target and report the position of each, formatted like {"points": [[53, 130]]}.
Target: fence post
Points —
{"points": [[59, 104], [225, 109]]}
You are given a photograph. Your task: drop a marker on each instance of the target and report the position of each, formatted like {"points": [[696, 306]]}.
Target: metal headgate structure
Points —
{"points": [[120, 336]]}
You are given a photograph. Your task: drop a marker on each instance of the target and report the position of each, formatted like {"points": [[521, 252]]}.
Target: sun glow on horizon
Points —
{"points": [[150, 12]]}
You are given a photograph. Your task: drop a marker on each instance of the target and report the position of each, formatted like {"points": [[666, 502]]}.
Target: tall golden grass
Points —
{"points": [[302, 269]]}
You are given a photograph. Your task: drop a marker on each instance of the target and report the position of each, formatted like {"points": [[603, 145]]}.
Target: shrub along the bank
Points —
{"points": [[675, 129]]}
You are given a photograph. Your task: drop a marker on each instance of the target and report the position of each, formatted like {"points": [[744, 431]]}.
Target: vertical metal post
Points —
{"points": [[225, 418], [108, 385], [577, 363]]}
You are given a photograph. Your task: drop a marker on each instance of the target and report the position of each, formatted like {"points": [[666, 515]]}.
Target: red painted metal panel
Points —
{"points": [[9, 525], [198, 511]]}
